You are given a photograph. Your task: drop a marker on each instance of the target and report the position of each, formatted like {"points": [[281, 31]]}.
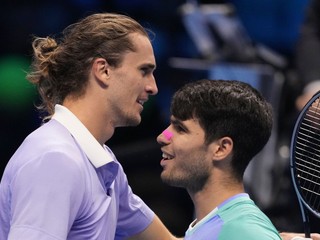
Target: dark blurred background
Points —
{"points": [[261, 53]]}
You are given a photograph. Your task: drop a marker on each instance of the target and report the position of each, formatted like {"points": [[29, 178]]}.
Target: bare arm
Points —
{"points": [[155, 231], [290, 236]]}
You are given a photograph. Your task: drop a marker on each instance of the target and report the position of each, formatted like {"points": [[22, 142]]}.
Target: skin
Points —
{"points": [[114, 97], [289, 236], [190, 157], [302, 100], [192, 163]]}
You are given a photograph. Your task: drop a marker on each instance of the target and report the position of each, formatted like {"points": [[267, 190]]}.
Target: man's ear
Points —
{"points": [[222, 148], [100, 71]]}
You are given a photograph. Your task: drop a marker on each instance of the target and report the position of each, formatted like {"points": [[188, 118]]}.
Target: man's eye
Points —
{"points": [[178, 128], [145, 71]]}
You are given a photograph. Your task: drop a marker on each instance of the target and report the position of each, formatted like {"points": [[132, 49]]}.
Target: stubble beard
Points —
{"points": [[132, 120], [193, 181]]}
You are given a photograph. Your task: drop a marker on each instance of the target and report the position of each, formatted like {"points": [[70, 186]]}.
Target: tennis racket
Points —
{"points": [[305, 160]]}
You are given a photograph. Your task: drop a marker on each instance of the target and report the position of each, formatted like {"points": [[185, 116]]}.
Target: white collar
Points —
{"points": [[96, 153], [195, 225]]}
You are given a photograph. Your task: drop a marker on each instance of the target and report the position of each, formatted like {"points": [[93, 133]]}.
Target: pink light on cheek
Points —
{"points": [[167, 134]]}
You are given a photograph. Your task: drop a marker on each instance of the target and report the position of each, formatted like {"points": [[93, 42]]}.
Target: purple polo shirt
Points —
{"points": [[62, 184]]}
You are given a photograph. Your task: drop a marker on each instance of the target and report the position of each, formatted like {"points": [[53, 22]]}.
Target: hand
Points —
{"points": [[298, 236]]}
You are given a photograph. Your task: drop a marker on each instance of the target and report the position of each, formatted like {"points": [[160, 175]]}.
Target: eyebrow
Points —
{"points": [[149, 66], [177, 122]]}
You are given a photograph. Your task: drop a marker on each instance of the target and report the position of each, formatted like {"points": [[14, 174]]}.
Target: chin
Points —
{"points": [[133, 122], [167, 179]]}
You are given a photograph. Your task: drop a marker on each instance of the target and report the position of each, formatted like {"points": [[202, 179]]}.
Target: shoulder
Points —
{"points": [[249, 229], [247, 221], [52, 138], [50, 148], [50, 134]]}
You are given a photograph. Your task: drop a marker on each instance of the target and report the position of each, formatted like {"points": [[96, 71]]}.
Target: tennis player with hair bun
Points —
{"points": [[63, 182]]}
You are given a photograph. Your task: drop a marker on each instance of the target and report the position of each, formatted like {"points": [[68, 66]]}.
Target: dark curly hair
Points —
{"points": [[227, 108]]}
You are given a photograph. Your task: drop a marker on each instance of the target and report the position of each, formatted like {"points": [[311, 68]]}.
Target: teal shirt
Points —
{"points": [[237, 218]]}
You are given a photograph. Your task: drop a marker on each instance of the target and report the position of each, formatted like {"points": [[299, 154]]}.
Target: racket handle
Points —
{"points": [[307, 230]]}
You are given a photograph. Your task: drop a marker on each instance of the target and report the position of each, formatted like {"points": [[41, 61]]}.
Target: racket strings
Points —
{"points": [[307, 155]]}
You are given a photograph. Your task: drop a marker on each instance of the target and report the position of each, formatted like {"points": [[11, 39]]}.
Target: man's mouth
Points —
{"points": [[166, 156], [141, 102]]}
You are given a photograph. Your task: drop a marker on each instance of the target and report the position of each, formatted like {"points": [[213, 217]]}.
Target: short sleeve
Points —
{"points": [[46, 196], [134, 214], [249, 229]]}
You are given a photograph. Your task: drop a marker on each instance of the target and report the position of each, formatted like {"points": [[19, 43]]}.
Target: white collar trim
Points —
{"points": [[96, 153], [195, 225]]}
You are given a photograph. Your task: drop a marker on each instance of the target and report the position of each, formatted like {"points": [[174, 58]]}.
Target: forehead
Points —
{"points": [[143, 53], [191, 124]]}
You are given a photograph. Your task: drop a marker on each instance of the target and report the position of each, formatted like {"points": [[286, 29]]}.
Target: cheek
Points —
{"points": [[186, 154], [190, 151], [126, 80]]}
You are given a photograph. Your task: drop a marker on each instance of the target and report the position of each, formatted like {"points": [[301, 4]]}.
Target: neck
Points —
{"points": [[212, 195], [91, 117]]}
